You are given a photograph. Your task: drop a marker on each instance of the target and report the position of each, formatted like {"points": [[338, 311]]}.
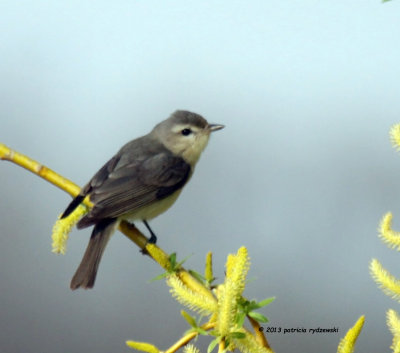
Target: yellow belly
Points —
{"points": [[154, 209]]}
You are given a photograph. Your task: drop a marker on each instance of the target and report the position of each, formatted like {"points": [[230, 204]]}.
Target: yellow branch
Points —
{"points": [[66, 185], [187, 338], [259, 336], [221, 346], [7, 154], [23, 161], [129, 230]]}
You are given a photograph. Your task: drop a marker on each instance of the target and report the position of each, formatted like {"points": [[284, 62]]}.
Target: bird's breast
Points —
{"points": [[153, 210]]}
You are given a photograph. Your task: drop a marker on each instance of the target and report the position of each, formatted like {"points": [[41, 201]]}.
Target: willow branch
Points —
{"points": [[47, 174], [188, 337], [7, 154], [259, 335], [129, 230]]}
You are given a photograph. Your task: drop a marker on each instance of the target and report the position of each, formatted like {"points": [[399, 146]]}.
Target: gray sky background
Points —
{"points": [[301, 175]]}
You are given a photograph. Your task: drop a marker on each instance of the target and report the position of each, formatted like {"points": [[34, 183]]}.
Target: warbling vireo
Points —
{"points": [[140, 182]]}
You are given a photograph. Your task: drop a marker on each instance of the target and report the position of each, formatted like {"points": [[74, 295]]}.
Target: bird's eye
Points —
{"points": [[186, 132]]}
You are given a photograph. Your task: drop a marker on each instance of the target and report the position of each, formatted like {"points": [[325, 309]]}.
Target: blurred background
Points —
{"points": [[301, 175]]}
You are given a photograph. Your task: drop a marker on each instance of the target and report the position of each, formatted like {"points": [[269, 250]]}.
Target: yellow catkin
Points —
{"points": [[63, 227], [193, 284], [388, 283], [230, 291], [227, 307], [348, 342], [190, 348], [395, 136], [249, 344], [208, 272], [387, 234], [393, 322], [240, 269], [191, 299], [230, 264], [142, 346]]}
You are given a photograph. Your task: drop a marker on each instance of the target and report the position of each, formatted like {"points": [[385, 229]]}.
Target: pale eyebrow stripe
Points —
{"points": [[180, 127]]}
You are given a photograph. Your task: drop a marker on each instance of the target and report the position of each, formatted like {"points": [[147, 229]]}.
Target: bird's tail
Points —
{"points": [[85, 275]]}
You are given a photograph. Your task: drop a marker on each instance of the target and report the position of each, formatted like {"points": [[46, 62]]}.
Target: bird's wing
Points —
{"points": [[119, 189], [97, 180]]}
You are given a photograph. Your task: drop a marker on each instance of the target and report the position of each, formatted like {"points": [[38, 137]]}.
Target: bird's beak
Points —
{"points": [[215, 127]]}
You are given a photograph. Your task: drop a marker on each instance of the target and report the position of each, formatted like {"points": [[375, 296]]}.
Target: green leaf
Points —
{"points": [[266, 302], [213, 333], [175, 265], [197, 275], [142, 346], [253, 305], [160, 276], [190, 319], [241, 301], [180, 263], [257, 316], [201, 331], [212, 344], [172, 260], [238, 335], [240, 319]]}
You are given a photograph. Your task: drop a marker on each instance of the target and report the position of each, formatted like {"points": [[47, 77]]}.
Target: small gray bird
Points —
{"points": [[140, 182]]}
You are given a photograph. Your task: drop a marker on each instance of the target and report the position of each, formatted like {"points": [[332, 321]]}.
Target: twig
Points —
{"points": [[130, 231], [187, 338]]}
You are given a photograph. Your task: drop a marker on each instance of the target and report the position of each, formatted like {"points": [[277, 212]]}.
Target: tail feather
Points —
{"points": [[85, 275]]}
